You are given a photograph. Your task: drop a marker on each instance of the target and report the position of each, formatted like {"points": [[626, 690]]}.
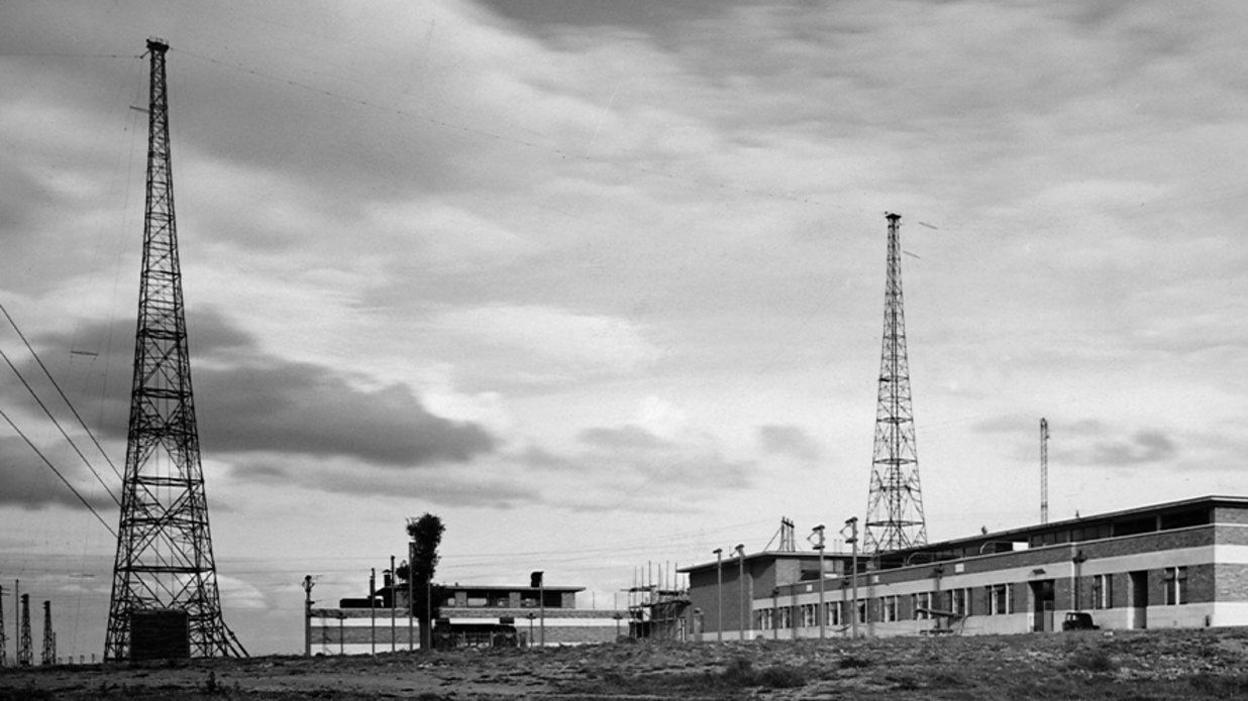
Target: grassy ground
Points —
{"points": [[1202, 664]]}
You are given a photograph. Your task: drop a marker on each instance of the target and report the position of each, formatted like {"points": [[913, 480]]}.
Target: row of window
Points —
{"points": [[1173, 578], [885, 609], [999, 599]]}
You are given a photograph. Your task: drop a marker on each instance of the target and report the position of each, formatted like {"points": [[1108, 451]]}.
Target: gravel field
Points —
{"points": [[1202, 664]]}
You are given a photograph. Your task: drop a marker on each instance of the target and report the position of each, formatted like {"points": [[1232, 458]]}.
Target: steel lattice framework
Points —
{"points": [[49, 637], [164, 550], [24, 644], [895, 506]]}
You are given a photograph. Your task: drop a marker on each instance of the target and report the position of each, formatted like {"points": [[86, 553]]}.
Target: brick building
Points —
{"points": [[1179, 564]]}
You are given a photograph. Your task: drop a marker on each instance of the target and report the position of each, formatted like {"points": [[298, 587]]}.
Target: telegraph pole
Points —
{"points": [[745, 617], [852, 525], [4, 637], [818, 534], [1044, 470], [307, 614], [719, 595]]}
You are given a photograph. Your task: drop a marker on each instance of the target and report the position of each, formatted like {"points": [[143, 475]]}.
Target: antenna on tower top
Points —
{"points": [[1044, 470], [895, 517]]}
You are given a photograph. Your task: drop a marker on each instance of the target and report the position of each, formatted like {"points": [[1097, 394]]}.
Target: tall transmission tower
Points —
{"points": [[1044, 470], [23, 642], [895, 505], [49, 638], [164, 548]]}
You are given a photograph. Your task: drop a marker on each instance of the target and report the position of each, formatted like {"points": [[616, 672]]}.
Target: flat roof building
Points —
{"points": [[1177, 564]]}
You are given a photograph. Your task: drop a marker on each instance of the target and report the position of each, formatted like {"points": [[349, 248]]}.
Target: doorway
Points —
{"points": [[1139, 599], [1043, 600]]}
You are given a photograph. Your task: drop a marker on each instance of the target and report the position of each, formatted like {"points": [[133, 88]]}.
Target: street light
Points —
{"points": [[745, 619], [817, 532], [852, 525], [719, 594]]}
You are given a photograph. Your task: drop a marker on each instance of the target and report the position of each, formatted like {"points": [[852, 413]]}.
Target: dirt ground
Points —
{"points": [[1203, 664]]}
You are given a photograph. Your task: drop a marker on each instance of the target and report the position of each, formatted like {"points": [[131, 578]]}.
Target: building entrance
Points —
{"points": [[1043, 600], [1139, 599]]}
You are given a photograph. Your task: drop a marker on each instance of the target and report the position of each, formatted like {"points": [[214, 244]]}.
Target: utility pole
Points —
{"points": [[817, 532], [1044, 470], [895, 517], [49, 637], [852, 539], [4, 637], [164, 548], [536, 580], [17, 620], [719, 594], [745, 614], [411, 601], [307, 614], [372, 609], [392, 585]]}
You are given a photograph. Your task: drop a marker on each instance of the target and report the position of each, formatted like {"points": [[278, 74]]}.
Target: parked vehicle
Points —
{"points": [[1079, 620]]}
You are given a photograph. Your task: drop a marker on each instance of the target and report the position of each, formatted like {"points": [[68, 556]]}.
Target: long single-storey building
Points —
{"points": [[1178, 564]]}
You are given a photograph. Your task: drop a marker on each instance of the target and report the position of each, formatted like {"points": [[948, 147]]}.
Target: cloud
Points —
{"points": [[630, 438], [249, 401], [789, 440], [627, 467], [31, 484], [490, 483], [534, 336], [1142, 447], [1095, 444]]}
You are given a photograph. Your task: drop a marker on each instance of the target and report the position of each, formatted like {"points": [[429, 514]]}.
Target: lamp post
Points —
{"points": [[411, 604], [535, 582], [719, 594], [307, 615], [745, 619], [391, 582], [817, 532], [429, 609], [852, 525]]}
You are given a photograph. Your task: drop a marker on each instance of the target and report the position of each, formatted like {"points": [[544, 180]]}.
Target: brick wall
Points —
{"points": [[1231, 582]]}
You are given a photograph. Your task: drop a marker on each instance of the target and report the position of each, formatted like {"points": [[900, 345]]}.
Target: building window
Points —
{"points": [[1102, 592], [862, 610], [834, 613], [764, 619], [922, 604], [959, 602], [998, 599], [809, 619], [888, 609], [1176, 586]]}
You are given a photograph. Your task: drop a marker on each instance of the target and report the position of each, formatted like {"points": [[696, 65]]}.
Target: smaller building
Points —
{"points": [[738, 598], [467, 615]]}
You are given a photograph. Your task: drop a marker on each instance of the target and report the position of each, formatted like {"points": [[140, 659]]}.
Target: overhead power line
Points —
{"points": [[58, 474], [65, 399]]}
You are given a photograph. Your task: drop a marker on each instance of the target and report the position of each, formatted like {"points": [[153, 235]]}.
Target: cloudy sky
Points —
{"points": [[601, 283]]}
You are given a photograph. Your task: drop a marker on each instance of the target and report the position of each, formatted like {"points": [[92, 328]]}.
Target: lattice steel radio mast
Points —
{"points": [[895, 506], [164, 549]]}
